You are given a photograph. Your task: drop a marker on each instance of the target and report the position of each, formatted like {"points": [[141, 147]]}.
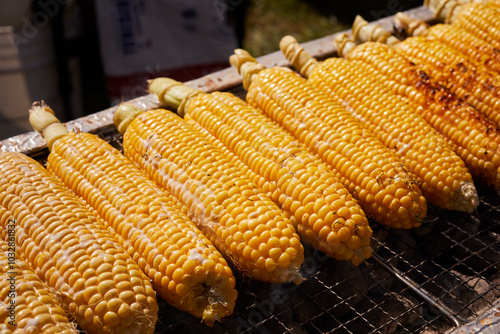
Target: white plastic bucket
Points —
{"points": [[27, 73]]}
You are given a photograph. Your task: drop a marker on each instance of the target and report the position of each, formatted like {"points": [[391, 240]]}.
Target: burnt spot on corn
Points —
{"points": [[448, 109]]}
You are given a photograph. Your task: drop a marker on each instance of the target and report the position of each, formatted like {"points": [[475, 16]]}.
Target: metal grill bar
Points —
{"points": [[456, 320]]}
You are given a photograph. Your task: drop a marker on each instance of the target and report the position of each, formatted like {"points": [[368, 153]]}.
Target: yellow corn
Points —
{"points": [[183, 265], [475, 138], [473, 82], [27, 304], [455, 37], [244, 224], [479, 19], [492, 3], [269, 188], [326, 214], [374, 175], [96, 280], [444, 179]]}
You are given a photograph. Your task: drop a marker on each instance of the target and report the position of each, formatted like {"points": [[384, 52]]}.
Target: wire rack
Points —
{"points": [[430, 280]]}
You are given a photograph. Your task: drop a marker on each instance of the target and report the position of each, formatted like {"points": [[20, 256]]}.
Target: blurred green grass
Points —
{"points": [[267, 21]]}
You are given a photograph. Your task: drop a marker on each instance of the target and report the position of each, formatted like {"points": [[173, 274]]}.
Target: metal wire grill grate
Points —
{"points": [[454, 258], [335, 298]]}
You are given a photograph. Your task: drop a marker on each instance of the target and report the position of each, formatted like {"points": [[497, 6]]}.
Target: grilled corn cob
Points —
{"points": [[444, 179], [475, 138], [243, 223], [374, 175], [476, 18], [454, 37], [470, 81], [27, 304], [68, 247], [476, 84], [492, 3], [185, 268], [306, 188]]}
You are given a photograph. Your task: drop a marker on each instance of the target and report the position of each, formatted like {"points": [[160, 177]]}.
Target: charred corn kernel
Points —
{"points": [[70, 249], [227, 206], [475, 139], [455, 37], [300, 177], [473, 82], [363, 164], [28, 305], [396, 124], [479, 19], [151, 224]]}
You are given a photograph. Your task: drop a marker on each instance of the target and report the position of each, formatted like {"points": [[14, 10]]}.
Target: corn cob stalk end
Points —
{"points": [[43, 120], [172, 93], [124, 115], [413, 27], [297, 55], [444, 10], [344, 44], [362, 31], [246, 65]]}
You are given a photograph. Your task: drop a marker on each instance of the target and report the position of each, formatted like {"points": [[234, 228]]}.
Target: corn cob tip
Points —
{"points": [[246, 65], [43, 120], [297, 55], [363, 31], [344, 44], [124, 115], [217, 306], [296, 278], [413, 27], [468, 199], [172, 93]]}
